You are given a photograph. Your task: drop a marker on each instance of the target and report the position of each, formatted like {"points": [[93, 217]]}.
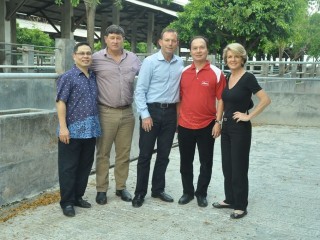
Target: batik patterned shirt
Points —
{"points": [[80, 95]]}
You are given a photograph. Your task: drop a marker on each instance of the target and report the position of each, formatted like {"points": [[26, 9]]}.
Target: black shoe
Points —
{"points": [[186, 198], [163, 196], [137, 201], [202, 201], [82, 203], [237, 215], [218, 205], [124, 194], [101, 198], [68, 211]]}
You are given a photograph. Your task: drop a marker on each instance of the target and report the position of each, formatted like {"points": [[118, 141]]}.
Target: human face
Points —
{"points": [[234, 61], [114, 42], [83, 56], [199, 50], [168, 43]]}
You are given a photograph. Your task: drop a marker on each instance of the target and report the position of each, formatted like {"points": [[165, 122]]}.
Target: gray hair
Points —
{"points": [[116, 29]]}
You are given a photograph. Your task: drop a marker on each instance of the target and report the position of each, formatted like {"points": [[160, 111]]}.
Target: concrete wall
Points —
{"points": [[27, 92], [295, 109], [294, 102], [28, 153]]}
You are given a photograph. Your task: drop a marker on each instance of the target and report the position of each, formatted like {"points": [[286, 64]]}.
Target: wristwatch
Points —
{"points": [[220, 122]]}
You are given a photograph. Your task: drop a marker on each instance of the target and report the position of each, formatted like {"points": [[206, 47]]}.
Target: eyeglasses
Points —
{"points": [[84, 53]]}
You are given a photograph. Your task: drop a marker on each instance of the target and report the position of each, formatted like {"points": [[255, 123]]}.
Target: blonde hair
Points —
{"points": [[237, 49]]}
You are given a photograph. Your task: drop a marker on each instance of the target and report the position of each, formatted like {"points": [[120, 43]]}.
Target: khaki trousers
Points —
{"points": [[117, 127]]}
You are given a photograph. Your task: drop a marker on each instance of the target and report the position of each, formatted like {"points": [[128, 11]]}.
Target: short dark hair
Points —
{"points": [[75, 49], [169, 30], [200, 37], [116, 29]]}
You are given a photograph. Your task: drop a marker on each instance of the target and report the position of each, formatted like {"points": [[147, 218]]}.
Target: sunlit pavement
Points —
{"points": [[283, 200]]}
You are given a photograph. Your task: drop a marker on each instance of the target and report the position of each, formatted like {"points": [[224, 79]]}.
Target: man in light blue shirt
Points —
{"points": [[156, 95]]}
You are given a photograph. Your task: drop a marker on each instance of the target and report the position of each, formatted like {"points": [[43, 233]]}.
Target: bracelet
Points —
{"points": [[217, 121]]}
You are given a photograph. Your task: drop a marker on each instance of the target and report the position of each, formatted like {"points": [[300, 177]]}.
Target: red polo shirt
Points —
{"points": [[198, 94]]}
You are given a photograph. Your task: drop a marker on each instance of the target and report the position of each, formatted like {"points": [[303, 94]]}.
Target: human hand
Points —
{"points": [[64, 135], [216, 130], [239, 116], [147, 124]]}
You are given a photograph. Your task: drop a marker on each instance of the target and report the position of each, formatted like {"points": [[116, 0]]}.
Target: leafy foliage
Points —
{"points": [[76, 2], [34, 37], [142, 47], [249, 22], [313, 46]]}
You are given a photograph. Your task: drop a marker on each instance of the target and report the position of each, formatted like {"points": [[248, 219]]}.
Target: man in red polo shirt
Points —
{"points": [[200, 114]]}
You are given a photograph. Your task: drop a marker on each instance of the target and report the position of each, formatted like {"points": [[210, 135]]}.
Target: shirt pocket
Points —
{"points": [[129, 73]]}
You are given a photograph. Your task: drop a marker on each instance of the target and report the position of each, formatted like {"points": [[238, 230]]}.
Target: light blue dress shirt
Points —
{"points": [[158, 81]]}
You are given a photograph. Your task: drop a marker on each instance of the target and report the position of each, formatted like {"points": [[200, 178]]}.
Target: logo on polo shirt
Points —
{"points": [[205, 83]]}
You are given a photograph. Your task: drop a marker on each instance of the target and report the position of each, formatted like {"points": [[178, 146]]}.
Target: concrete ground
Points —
{"points": [[283, 201]]}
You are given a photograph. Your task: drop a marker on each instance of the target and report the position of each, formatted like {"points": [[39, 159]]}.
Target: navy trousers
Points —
{"points": [[235, 149], [163, 130], [74, 164], [188, 139]]}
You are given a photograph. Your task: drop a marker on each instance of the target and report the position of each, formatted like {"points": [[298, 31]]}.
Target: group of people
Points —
{"points": [[94, 105]]}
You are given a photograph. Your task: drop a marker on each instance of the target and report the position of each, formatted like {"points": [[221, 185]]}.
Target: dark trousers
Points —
{"points": [[163, 130], [188, 139], [235, 149], [74, 163]]}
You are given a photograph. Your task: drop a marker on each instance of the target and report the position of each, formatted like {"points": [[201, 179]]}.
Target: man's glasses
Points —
{"points": [[82, 54]]}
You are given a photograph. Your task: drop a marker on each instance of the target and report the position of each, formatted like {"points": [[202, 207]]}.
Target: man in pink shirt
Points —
{"points": [[199, 120], [115, 69]]}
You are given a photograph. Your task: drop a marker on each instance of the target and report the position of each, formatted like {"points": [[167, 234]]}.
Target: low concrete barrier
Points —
{"points": [[28, 153], [27, 91], [297, 109]]}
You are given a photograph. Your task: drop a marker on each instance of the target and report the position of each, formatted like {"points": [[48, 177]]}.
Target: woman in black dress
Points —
{"points": [[236, 129]]}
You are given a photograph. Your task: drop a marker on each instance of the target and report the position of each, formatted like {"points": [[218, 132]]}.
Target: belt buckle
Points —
{"points": [[164, 105], [225, 119]]}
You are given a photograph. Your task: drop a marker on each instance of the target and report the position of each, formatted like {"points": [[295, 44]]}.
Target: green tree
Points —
{"points": [[142, 47], [249, 22], [313, 43], [34, 37]]}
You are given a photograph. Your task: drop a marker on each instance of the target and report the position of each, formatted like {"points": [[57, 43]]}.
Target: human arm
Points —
{"points": [[140, 94], [64, 135], [142, 87], [264, 101], [216, 130]]}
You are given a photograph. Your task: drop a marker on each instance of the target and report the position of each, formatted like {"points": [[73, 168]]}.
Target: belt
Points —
{"points": [[226, 119], [162, 105], [121, 107]]}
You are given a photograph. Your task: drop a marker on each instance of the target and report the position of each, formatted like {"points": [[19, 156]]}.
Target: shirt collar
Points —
{"points": [[79, 72], [206, 66], [160, 57], [124, 53]]}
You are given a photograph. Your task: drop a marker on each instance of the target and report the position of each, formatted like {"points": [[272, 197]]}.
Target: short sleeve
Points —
{"points": [[253, 84], [63, 88]]}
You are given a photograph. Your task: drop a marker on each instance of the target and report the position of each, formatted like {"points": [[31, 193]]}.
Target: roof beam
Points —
{"points": [[49, 20], [39, 9], [14, 10], [78, 22]]}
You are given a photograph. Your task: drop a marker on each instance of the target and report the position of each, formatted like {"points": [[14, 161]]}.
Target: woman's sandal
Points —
{"points": [[238, 215], [219, 205]]}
